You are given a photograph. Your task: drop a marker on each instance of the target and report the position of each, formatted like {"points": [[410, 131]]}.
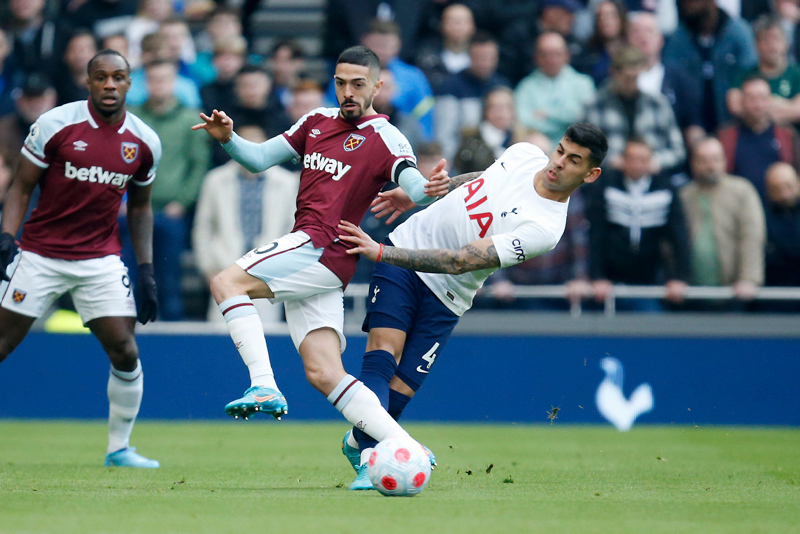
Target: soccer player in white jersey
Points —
{"points": [[515, 210], [348, 154], [85, 156]]}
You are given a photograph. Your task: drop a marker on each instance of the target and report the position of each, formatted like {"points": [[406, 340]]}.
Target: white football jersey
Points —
{"points": [[501, 204]]}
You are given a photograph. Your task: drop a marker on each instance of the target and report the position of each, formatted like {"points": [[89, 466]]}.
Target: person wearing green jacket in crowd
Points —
{"points": [[184, 162]]}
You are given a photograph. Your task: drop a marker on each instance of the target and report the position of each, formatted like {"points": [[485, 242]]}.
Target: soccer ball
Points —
{"points": [[399, 467]]}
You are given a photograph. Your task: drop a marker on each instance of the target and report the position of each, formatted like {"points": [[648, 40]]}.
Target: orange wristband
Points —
{"points": [[380, 254]]}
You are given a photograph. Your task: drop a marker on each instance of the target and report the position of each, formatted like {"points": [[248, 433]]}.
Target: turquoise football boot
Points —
{"points": [[128, 457], [431, 457], [258, 399], [362, 481], [353, 454]]}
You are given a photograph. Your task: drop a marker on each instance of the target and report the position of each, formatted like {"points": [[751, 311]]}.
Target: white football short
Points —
{"points": [[313, 296], [100, 287]]}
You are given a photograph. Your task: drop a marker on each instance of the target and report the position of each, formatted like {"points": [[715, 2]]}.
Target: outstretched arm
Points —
{"points": [[477, 255], [255, 157]]}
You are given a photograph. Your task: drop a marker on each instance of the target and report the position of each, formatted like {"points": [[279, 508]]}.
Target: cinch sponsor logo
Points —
{"points": [[318, 162], [96, 174], [517, 244]]}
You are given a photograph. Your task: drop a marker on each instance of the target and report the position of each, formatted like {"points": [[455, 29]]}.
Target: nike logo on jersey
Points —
{"points": [[318, 162], [96, 174]]}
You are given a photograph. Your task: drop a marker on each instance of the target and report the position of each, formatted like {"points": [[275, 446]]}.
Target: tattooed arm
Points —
{"points": [[395, 202], [456, 181], [477, 255]]}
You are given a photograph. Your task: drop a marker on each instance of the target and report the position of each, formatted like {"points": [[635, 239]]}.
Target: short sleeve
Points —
{"points": [[524, 242], [146, 175], [35, 147]]}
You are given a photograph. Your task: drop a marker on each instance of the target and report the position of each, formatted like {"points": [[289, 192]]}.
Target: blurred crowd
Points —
{"points": [[699, 100]]}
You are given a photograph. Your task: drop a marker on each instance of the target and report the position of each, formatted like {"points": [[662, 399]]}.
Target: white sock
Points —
{"points": [[124, 398], [365, 454], [247, 333], [361, 407]]}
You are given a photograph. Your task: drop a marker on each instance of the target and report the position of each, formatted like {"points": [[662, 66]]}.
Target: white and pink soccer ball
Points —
{"points": [[399, 467]]}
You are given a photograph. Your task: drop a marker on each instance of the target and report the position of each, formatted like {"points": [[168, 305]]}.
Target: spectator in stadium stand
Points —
{"points": [[710, 44], [230, 54], [448, 52], [754, 142], [154, 48], [667, 78], [148, 19], [634, 215], [554, 95], [10, 76], [461, 103], [237, 211], [347, 21], [252, 89], [307, 95], [102, 17], [610, 30], [789, 13], [727, 233], [36, 40], [180, 48], [774, 67], [117, 42], [71, 84], [559, 16], [383, 104], [482, 145], [622, 111], [184, 162], [224, 24], [287, 64], [783, 228], [36, 97], [413, 95]]}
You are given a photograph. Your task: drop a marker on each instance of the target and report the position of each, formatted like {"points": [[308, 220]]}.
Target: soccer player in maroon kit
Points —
{"points": [[348, 154], [84, 156]]}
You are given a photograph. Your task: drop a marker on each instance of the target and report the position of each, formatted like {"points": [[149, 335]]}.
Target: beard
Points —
{"points": [[354, 115]]}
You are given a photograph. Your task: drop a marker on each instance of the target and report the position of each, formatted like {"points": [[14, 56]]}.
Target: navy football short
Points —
{"points": [[399, 299]]}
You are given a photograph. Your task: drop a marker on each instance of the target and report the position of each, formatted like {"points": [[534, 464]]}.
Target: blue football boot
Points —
{"points": [[128, 457], [258, 399], [362, 481], [353, 454], [431, 456]]}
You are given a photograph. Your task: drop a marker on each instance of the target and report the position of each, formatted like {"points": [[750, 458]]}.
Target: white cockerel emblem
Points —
{"points": [[611, 402]]}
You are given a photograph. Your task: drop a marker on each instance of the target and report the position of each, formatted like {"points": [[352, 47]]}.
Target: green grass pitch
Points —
{"points": [[284, 477]]}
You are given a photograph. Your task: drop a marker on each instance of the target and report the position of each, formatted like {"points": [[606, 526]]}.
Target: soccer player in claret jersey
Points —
{"points": [[85, 156], [515, 210], [348, 154]]}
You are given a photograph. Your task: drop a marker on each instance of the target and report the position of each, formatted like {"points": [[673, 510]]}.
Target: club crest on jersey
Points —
{"points": [[130, 151], [353, 141], [18, 296]]}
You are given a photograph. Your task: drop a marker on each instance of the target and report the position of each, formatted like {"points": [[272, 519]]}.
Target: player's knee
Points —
{"points": [[224, 286], [123, 353]]}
